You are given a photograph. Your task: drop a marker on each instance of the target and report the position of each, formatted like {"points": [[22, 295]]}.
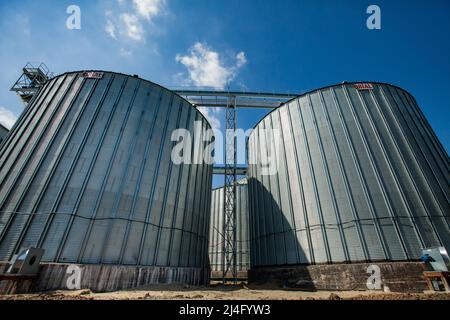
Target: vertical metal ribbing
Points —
{"points": [[31, 108], [436, 143], [328, 178], [25, 163], [430, 151], [198, 174], [421, 152], [374, 166], [213, 221], [424, 133], [344, 178], [22, 145], [288, 180], [91, 165], [69, 135], [254, 246], [253, 223], [32, 105], [141, 173], [191, 205], [422, 130], [131, 149], [35, 145], [26, 131], [277, 182], [186, 198], [41, 160], [207, 223], [268, 214], [249, 201], [196, 236], [274, 216], [371, 155], [431, 134], [220, 237], [438, 147], [300, 185], [73, 164], [264, 248], [362, 180], [212, 233], [412, 178], [177, 198], [251, 212], [207, 205], [166, 190], [153, 185], [267, 207], [250, 231], [389, 162], [420, 149], [411, 124], [216, 230], [313, 179]]}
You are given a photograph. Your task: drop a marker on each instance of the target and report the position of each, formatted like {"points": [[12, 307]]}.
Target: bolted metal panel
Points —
{"points": [[86, 174], [216, 239], [360, 176]]}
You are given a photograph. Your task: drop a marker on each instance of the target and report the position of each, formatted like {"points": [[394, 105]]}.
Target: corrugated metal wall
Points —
{"points": [[242, 228], [361, 176], [86, 173], [3, 133]]}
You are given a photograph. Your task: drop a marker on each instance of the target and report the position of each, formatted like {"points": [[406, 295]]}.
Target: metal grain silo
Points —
{"points": [[86, 174], [242, 231], [361, 177], [3, 133]]}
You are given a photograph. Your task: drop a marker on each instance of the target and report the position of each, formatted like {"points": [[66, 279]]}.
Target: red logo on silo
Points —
{"points": [[363, 86], [92, 75]]}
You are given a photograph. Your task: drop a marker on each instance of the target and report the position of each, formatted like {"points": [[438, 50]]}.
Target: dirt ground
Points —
{"points": [[220, 292]]}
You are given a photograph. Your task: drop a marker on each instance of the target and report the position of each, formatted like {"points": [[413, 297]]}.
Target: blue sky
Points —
{"points": [[251, 45]]}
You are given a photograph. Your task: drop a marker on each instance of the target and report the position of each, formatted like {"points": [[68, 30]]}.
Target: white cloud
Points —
{"points": [[133, 27], [7, 118], [124, 52], [23, 22], [110, 29], [148, 8], [212, 115], [132, 17], [205, 67], [241, 59]]}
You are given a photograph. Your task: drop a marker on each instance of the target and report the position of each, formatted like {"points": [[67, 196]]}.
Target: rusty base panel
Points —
{"points": [[103, 278], [395, 276]]}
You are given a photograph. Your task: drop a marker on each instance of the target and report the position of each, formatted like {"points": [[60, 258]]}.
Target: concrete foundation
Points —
{"points": [[395, 276], [103, 278], [242, 275]]}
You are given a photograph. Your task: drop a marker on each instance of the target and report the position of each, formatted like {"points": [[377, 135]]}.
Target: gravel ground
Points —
{"points": [[219, 292]]}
